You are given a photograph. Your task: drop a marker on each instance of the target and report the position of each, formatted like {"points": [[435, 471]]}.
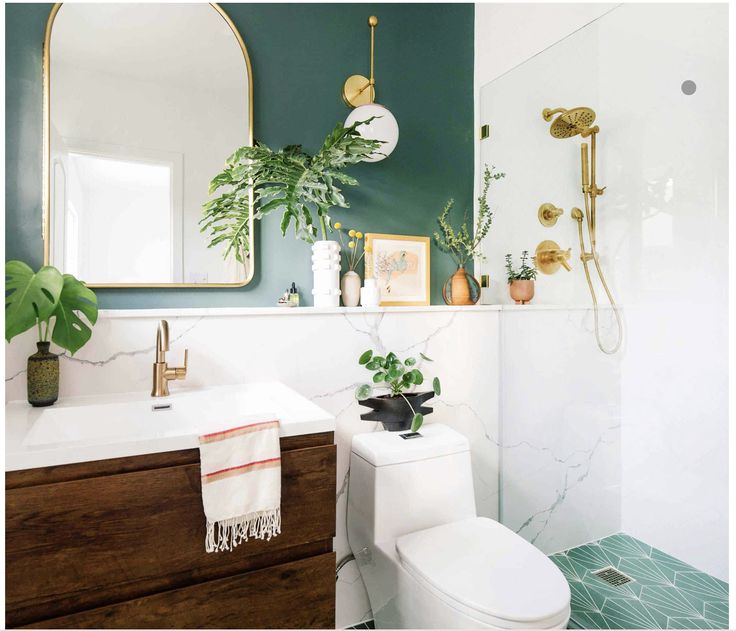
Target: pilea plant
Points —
{"points": [[525, 272], [399, 378]]}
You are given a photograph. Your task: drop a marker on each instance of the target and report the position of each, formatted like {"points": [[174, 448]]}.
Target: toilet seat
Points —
{"points": [[487, 572]]}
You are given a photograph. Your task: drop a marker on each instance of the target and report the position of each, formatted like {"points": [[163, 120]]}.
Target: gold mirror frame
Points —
{"points": [[46, 221]]}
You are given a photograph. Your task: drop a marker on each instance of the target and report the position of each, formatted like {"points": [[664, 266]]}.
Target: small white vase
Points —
{"points": [[370, 295], [350, 287], [326, 270]]}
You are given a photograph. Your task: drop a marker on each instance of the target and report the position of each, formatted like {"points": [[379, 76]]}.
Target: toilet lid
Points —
{"points": [[487, 568]]}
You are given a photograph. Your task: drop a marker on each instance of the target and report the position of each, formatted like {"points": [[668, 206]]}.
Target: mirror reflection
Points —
{"points": [[145, 103]]}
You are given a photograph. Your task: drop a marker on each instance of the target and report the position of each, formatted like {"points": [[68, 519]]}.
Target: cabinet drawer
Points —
{"points": [[75, 545], [296, 595]]}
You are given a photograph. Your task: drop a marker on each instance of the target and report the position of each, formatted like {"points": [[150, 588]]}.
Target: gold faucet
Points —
{"points": [[549, 257], [162, 374]]}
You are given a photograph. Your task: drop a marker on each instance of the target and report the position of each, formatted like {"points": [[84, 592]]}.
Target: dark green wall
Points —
{"points": [[301, 54]]}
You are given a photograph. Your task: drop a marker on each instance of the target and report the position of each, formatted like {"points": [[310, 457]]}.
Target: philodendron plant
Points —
{"points": [[399, 378], [287, 180], [45, 297]]}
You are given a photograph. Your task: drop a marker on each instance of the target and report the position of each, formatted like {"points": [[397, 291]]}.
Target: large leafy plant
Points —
{"points": [[40, 298], [397, 376], [461, 244], [288, 180]]}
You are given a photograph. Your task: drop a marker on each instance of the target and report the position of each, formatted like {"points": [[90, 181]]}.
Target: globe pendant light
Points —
{"points": [[359, 92]]}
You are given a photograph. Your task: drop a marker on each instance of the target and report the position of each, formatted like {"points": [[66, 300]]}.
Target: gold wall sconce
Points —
{"points": [[548, 214], [359, 92], [549, 257]]}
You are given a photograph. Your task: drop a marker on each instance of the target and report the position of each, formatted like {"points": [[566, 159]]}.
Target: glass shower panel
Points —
{"points": [[595, 444]]}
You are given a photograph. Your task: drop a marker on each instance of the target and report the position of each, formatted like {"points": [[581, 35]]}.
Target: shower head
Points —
{"points": [[570, 122]]}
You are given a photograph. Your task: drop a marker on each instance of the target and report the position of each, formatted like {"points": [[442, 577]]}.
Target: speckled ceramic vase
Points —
{"points": [[43, 376]]}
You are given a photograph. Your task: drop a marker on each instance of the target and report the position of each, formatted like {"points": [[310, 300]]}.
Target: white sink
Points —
{"points": [[79, 429]]}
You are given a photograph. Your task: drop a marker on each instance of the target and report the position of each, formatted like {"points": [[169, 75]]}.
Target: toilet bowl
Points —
{"points": [[427, 560]]}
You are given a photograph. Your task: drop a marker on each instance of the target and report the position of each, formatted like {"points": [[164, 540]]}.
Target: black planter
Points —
{"points": [[394, 412]]}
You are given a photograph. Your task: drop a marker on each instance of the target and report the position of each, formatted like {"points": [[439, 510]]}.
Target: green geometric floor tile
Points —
{"points": [[666, 593]]}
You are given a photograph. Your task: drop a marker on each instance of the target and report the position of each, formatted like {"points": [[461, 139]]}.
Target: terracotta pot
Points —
{"points": [[522, 291], [461, 289], [394, 412], [43, 376], [350, 288]]}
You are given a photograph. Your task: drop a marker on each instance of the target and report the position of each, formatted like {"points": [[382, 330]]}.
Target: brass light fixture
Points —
{"points": [[570, 123], [359, 92]]}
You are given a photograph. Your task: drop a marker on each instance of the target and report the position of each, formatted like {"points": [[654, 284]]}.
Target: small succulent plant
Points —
{"points": [[525, 272]]}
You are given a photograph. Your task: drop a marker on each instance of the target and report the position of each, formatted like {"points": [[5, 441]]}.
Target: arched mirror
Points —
{"points": [[143, 104]]}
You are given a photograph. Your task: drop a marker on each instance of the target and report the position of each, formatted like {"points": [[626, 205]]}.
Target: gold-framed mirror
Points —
{"points": [[142, 105]]}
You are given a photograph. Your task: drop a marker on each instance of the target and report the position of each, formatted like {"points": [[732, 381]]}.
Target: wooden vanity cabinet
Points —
{"points": [[120, 544]]}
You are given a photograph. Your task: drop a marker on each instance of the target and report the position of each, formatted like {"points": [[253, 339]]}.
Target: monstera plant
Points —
{"points": [[53, 302]]}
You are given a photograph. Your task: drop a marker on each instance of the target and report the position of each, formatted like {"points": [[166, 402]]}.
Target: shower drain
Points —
{"points": [[612, 576]]}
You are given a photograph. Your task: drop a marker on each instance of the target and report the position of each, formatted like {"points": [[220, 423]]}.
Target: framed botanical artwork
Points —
{"points": [[400, 266]]}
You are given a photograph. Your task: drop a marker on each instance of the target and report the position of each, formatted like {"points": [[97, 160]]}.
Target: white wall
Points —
{"points": [[662, 226]]}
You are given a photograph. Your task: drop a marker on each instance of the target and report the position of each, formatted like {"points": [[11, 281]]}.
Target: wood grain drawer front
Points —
{"points": [[296, 595], [87, 543]]}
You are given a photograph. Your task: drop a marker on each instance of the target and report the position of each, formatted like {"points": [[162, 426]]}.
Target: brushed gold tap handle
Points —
{"points": [[548, 214], [181, 373], [549, 257], [564, 258]]}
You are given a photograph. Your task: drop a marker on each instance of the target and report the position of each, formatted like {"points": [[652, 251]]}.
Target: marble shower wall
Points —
{"points": [[315, 353], [561, 429]]}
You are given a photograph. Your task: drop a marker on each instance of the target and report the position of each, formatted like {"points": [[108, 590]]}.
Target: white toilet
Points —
{"points": [[426, 558]]}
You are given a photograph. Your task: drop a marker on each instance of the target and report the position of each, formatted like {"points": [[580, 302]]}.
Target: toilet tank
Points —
{"points": [[400, 485]]}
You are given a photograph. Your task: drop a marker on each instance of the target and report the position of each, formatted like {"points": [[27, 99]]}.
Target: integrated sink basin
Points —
{"points": [[79, 429]]}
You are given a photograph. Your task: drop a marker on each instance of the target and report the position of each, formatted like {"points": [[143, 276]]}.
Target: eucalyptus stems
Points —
{"points": [[460, 244]]}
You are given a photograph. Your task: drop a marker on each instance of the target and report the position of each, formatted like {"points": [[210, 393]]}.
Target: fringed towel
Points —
{"points": [[241, 484]]}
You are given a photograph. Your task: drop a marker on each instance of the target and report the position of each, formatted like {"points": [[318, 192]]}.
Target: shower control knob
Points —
{"points": [[548, 214], [549, 257]]}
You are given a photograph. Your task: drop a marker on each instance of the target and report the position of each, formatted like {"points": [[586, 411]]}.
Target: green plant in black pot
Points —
{"points": [[40, 299], [401, 408]]}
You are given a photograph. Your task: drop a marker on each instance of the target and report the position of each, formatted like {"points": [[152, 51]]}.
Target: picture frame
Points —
{"points": [[400, 266]]}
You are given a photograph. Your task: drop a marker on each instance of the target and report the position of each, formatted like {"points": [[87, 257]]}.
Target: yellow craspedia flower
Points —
{"points": [[351, 233], [338, 225], [351, 244], [359, 235]]}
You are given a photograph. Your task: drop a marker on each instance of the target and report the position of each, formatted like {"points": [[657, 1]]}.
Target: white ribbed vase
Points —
{"points": [[326, 270]]}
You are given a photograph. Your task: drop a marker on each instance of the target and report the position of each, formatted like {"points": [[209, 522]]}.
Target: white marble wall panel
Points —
{"points": [[316, 354], [560, 429]]}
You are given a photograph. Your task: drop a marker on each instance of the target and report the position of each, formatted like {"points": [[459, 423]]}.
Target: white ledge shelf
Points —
{"points": [[306, 311]]}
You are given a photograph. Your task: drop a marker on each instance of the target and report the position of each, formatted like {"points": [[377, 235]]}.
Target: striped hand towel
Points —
{"points": [[241, 484]]}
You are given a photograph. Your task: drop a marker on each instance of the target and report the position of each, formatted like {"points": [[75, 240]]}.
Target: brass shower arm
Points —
{"points": [[548, 113]]}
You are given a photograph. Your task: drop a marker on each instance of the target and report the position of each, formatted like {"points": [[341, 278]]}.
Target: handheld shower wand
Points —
{"points": [[568, 124]]}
